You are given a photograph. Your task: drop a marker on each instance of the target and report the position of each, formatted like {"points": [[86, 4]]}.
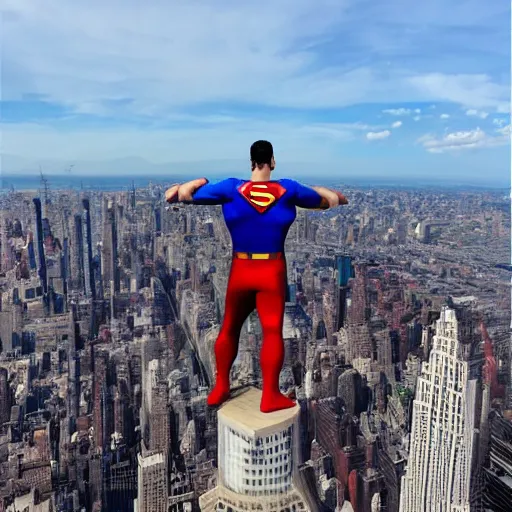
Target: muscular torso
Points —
{"points": [[258, 215], [259, 231]]}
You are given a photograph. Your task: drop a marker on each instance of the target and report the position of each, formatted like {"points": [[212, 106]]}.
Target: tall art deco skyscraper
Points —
{"points": [[443, 435]]}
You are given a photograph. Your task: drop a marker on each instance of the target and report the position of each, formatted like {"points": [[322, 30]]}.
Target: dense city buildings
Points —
{"points": [[397, 349]]}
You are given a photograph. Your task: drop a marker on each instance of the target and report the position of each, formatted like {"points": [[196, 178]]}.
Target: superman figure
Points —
{"points": [[258, 213]]}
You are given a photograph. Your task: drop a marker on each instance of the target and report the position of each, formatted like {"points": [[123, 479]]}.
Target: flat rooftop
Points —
{"points": [[151, 460], [243, 412]]}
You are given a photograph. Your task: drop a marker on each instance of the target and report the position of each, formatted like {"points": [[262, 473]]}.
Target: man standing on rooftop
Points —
{"points": [[258, 213]]}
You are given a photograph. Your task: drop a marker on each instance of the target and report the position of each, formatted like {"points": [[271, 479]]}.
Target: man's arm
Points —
{"points": [[330, 198], [317, 198], [199, 191]]}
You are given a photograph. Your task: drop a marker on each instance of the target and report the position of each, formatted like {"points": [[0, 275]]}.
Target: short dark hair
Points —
{"points": [[261, 153]]}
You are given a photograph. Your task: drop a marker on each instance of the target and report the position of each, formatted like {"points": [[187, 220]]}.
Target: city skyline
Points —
{"points": [[396, 321], [350, 88], [110, 306]]}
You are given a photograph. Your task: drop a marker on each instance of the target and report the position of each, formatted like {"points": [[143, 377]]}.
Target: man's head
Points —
{"points": [[262, 154]]}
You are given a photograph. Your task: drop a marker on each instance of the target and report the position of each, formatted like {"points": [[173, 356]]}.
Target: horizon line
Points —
{"points": [[396, 181]]}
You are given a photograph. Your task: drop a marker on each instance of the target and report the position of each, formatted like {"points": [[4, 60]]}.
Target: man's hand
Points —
{"points": [[171, 194], [333, 197], [341, 198], [184, 193]]}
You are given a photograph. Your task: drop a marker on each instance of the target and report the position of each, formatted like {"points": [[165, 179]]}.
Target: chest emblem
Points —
{"points": [[262, 195]]}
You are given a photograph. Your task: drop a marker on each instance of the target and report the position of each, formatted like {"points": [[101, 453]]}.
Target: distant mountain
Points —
{"points": [[12, 164], [309, 173], [136, 166]]}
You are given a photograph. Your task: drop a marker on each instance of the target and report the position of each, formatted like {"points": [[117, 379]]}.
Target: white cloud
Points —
{"points": [[461, 140], [397, 111], [505, 130], [189, 138], [504, 108], [417, 118], [340, 131], [190, 68], [499, 121], [165, 56], [378, 135], [476, 113], [396, 124], [478, 91], [444, 116], [303, 141]]}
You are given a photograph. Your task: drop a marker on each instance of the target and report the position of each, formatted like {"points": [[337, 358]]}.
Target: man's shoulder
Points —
{"points": [[288, 181], [226, 183], [289, 184], [226, 180], [231, 182], [234, 184]]}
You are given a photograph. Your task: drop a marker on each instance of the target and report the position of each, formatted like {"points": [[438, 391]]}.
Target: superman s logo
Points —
{"points": [[262, 195], [266, 198]]}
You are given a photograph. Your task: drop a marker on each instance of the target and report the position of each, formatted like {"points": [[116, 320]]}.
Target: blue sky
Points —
{"points": [[342, 88]]}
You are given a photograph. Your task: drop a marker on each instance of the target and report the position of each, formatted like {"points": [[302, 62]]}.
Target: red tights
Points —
{"points": [[260, 284]]}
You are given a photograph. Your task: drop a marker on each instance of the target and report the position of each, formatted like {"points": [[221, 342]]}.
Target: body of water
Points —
{"points": [[117, 182]]}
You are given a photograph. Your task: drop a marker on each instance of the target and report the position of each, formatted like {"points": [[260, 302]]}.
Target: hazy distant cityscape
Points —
{"points": [[397, 334]]}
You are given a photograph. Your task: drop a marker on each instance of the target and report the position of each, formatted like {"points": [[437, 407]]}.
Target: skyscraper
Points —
{"points": [[498, 475], [110, 251], [78, 253], [5, 399], [152, 493], [440, 466], [258, 458], [345, 270], [90, 283], [359, 310], [40, 245]]}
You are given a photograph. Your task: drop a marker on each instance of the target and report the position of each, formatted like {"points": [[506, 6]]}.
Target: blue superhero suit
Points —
{"points": [[252, 230], [258, 216]]}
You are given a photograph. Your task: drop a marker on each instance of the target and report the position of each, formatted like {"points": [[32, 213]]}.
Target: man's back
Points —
{"points": [[258, 214]]}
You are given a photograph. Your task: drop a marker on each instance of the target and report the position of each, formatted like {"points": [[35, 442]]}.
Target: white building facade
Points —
{"points": [[256, 465], [152, 493], [442, 441], [258, 457]]}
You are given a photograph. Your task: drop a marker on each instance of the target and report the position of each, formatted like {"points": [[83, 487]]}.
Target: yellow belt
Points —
{"points": [[255, 256]]}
